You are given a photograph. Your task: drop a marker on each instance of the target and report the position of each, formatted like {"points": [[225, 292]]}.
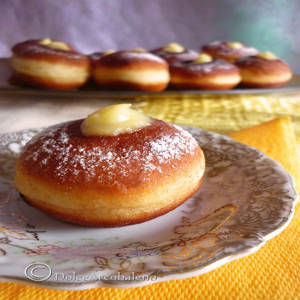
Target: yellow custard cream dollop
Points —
{"points": [[235, 45], [138, 50], [114, 120], [203, 58], [267, 55], [174, 48], [110, 51], [54, 44]]}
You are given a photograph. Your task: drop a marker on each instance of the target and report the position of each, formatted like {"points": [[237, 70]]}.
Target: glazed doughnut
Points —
{"points": [[49, 64], [264, 70], [229, 51], [204, 73], [174, 52], [110, 180], [131, 70]]}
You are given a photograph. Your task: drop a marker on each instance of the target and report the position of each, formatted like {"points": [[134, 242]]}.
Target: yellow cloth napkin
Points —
{"points": [[271, 273], [222, 113]]}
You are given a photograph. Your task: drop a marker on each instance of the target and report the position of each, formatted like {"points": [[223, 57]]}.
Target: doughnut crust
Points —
{"points": [[172, 57], [263, 73], [109, 180], [131, 70], [221, 49], [43, 67], [215, 75]]}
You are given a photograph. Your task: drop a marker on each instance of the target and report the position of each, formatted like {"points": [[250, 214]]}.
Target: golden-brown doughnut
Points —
{"points": [[131, 70], [49, 64], [174, 52], [206, 73], [229, 51], [109, 180], [263, 71]]}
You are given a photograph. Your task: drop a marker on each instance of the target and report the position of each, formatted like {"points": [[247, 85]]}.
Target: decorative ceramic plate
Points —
{"points": [[246, 199]]}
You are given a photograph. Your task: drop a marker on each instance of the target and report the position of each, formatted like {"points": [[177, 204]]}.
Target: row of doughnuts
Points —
{"points": [[257, 69], [219, 66]]}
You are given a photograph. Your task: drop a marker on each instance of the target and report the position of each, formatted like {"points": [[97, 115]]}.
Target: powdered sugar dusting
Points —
{"points": [[224, 49], [215, 43], [210, 67], [143, 55], [109, 163], [175, 144], [41, 49], [206, 68]]}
